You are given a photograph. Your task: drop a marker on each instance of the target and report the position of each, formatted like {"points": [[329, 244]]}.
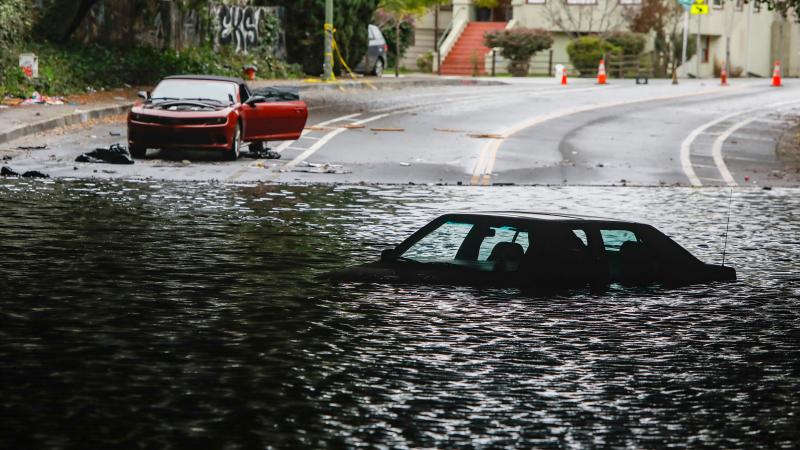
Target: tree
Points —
{"points": [[60, 18], [579, 20], [305, 36], [662, 18], [398, 11]]}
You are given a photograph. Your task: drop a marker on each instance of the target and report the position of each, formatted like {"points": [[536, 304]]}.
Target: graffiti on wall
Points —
{"points": [[243, 26]]}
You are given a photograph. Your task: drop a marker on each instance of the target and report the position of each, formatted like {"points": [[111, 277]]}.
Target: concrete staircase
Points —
{"points": [[460, 59]]}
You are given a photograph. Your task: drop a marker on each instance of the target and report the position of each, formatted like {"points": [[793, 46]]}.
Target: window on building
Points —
{"points": [[535, 2], [630, 2], [581, 2], [717, 4], [706, 46], [739, 5], [756, 7]]}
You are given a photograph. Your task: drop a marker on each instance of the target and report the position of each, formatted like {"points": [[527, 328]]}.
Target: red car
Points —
{"points": [[213, 113]]}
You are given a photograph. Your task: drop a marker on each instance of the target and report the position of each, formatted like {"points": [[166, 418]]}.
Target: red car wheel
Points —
{"points": [[232, 154]]}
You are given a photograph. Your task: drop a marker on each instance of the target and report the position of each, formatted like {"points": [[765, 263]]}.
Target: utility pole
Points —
{"points": [[698, 49], [685, 69], [327, 63], [749, 39]]}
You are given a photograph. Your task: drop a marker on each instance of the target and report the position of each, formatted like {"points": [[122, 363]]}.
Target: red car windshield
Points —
{"points": [[221, 91]]}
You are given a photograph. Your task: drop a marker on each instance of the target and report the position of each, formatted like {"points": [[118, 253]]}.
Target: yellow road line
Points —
{"points": [[492, 148]]}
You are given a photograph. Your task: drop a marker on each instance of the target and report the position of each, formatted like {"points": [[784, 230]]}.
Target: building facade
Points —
{"points": [[757, 37]]}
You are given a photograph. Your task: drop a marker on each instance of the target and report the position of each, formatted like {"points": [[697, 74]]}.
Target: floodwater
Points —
{"points": [[159, 315]]}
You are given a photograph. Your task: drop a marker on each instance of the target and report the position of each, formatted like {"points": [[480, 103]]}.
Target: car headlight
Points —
{"points": [[218, 120]]}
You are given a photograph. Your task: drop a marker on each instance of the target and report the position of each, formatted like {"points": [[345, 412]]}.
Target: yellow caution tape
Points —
{"points": [[329, 28]]}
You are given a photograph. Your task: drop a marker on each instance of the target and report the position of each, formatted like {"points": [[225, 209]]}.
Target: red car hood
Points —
{"points": [[140, 109]]}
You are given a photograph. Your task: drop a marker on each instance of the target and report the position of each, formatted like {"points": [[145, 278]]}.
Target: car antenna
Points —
{"points": [[725, 244]]}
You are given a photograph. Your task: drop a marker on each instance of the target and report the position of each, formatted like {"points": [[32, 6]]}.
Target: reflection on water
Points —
{"points": [[156, 315]]}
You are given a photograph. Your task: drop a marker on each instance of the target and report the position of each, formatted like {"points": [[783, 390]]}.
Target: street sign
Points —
{"points": [[699, 7]]}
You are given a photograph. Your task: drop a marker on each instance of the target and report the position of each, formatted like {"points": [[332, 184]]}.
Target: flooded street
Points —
{"points": [[165, 314]]}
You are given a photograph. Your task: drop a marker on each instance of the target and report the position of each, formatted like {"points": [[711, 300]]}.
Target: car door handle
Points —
{"points": [[298, 110]]}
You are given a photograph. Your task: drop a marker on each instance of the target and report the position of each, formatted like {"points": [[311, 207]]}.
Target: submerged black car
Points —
{"points": [[536, 250]]}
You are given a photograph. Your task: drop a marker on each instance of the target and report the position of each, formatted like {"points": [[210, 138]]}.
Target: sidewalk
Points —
{"points": [[20, 121]]}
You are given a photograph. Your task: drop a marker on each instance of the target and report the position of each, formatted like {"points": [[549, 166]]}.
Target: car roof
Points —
{"points": [[535, 216], [205, 77]]}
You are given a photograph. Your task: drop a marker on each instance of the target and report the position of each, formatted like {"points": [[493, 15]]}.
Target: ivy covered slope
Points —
{"points": [[74, 68]]}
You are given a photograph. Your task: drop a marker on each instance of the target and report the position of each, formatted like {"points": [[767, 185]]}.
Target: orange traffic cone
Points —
{"points": [[564, 76], [723, 77], [776, 74], [601, 72]]}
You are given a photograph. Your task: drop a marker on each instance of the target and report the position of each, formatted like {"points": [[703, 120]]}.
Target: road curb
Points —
{"points": [[79, 116], [388, 84]]}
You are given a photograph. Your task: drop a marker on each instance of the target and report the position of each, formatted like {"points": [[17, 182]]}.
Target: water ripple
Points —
{"points": [[144, 314]]}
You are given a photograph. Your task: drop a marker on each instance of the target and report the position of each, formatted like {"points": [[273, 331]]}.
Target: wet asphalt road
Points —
{"points": [[527, 132]]}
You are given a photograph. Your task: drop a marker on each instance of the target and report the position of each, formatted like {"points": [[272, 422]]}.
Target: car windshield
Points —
{"points": [[201, 90]]}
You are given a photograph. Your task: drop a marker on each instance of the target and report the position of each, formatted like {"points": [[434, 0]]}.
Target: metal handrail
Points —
{"points": [[442, 38]]}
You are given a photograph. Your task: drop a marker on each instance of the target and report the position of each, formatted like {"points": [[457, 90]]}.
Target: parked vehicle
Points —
{"points": [[536, 251], [374, 61], [213, 113]]}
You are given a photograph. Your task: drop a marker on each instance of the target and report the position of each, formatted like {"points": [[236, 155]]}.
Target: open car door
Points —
{"points": [[274, 114]]}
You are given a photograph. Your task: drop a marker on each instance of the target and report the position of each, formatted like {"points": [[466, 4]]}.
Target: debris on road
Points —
{"points": [[387, 129], [262, 153], [32, 147], [405, 164], [449, 130], [112, 133], [8, 172], [485, 136], [7, 158], [115, 154], [352, 126], [39, 99], [323, 168]]}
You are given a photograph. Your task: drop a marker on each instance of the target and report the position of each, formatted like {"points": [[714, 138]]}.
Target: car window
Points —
{"points": [[613, 239], [507, 234], [582, 236], [440, 244], [193, 89]]}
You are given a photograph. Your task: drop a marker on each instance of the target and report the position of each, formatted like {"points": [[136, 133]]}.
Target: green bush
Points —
{"points": [[80, 68], [632, 44], [587, 51], [15, 23], [425, 62], [518, 45]]}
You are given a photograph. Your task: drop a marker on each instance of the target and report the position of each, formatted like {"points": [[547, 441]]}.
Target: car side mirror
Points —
{"points": [[143, 95], [388, 254], [255, 99]]}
